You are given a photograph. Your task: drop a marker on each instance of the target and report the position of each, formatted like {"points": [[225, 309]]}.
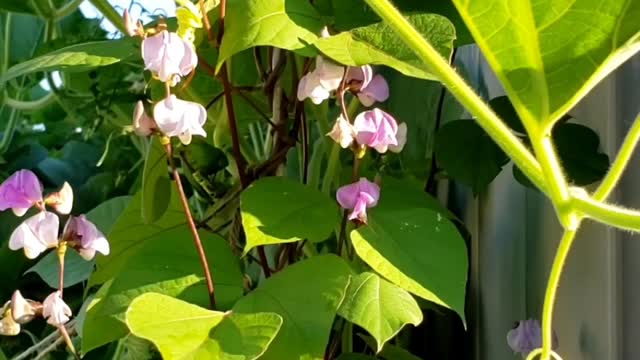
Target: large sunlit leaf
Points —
{"points": [[156, 186], [185, 331], [286, 24], [378, 44], [549, 53], [419, 250], [306, 295], [79, 57], [130, 233], [278, 210], [379, 307], [167, 264]]}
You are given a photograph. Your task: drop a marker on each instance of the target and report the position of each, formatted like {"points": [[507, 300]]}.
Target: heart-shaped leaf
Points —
{"points": [[156, 186]]}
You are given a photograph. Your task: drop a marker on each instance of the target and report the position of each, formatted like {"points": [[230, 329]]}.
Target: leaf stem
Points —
{"points": [[32, 105], [605, 213], [552, 287], [486, 118], [66, 9], [62, 250], [620, 163], [192, 225]]}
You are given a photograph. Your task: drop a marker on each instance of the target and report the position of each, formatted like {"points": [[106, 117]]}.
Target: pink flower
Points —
{"points": [[343, 132], [379, 130], [20, 191], [36, 234], [143, 124], [401, 136], [55, 310], [180, 118], [132, 28], [61, 201], [318, 84], [369, 88], [168, 56], [527, 336], [358, 196], [85, 237]]}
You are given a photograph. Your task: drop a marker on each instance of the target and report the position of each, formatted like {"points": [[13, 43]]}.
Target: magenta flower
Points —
{"points": [[36, 234], [20, 191], [180, 118], [55, 310], [379, 130], [358, 196], [143, 124], [85, 237], [318, 84], [168, 56], [369, 88], [527, 336]]}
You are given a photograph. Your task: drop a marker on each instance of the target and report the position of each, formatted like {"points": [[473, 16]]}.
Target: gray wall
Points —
{"points": [[515, 235]]}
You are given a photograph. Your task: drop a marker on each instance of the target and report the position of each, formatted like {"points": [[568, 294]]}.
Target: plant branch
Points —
{"points": [[192, 225], [485, 117], [605, 213], [620, 163], [62, 249], [206, 23], [44, 344]]}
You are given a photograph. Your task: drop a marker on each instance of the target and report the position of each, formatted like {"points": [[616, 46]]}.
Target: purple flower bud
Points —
{"points": [[377, 129], [180, 118], [20, 191], [61, 201], [143, 124], [527, 336], [358, 196], [368, 87], [36, 234], [318, 84], [167, 55], [55, 310], [85, 237]]}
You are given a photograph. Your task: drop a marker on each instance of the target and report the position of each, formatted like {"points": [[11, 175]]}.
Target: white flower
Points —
{"points": [[55, 310], [23, 310], [343, 132], [180, 118], [168, 56], [318, 84], [401, 136], [61, 201], [143, 124], [36, 234]]}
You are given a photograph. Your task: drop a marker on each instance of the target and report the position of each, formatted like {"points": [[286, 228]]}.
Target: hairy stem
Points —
{"points": [[110, 13], [192, 225], [620, 163], [485, 117], [605, 213]]}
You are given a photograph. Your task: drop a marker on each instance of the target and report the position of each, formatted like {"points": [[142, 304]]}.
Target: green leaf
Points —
{"points": [[25, 7], [167, 264], [354, 356], [505, 110], [184, 331], [306, 295], [2, 355], [286, 24], [79, 57], [76, 269], [106, 214], [156, 186], [400, 194], [301, 212], [419, 250], [379, 307], [390, 351], [549, 54], [130, 233], [349, 14], [468, 154], [378, 44]]}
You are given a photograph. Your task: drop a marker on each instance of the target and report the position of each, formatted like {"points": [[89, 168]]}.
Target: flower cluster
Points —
{"points": [[526, 336], [38, 233], [372, 128], [170, 57]]}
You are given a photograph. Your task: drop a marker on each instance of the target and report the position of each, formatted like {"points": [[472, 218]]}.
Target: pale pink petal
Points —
{"points": [[377, 90], [401, 136], [163, 54], [329, 73], [23, 310], [342, 132], [55, 310], [143, 124], [377, 129], [358, 196], [85, 237], [61, 201], [190, 59], [36, 234], [176, 117]]}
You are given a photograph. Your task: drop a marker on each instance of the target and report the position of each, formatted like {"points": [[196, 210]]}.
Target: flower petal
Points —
{"points": [[20, 191], [36, 234]]}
